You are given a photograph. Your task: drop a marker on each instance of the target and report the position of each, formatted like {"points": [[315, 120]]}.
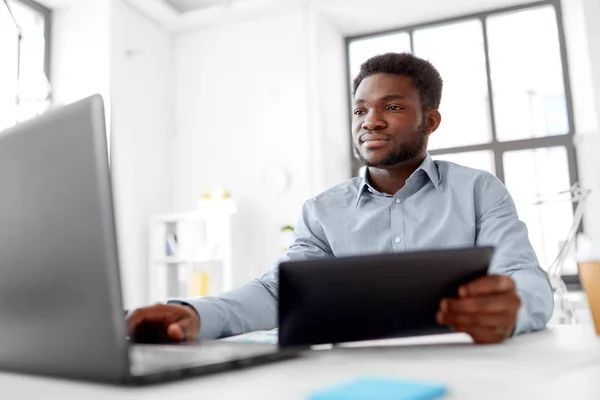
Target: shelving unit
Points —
{"points": [[190, 253]]}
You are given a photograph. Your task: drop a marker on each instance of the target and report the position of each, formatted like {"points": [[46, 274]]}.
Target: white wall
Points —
{"points": [[142, 100], [80, 64], [104, 46], [328, 107], [582, 33], [243, 110]]}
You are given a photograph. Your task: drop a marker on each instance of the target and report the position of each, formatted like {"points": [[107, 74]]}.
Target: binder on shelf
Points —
{"points": [[171, 244], [199, 283]]}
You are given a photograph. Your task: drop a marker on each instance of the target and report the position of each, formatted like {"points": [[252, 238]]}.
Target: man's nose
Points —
{"points": [[373, 121]]}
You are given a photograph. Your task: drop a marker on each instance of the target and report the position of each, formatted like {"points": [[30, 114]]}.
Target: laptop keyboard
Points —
{"points": [[155, 358]]}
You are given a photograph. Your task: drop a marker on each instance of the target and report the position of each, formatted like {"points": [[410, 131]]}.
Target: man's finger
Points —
{"points": [[490, 284], [483, 334], [482, 304], [190, 324], [152, 314], [181, 329], [176, 332], [141, 315], [481, 320], [186, 327], [179, 322]]}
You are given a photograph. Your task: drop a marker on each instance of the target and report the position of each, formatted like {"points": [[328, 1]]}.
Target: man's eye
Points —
{"points": [[359, 112], [395, 108]]}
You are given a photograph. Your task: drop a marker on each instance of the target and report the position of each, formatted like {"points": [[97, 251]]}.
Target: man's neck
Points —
{"points": [[391, 179]]}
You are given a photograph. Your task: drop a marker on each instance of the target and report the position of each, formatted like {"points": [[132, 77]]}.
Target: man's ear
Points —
{"points": [[434, 118]]}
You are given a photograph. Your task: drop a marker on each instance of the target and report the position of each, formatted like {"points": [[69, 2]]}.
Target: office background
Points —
{"points": [[234, 93]]}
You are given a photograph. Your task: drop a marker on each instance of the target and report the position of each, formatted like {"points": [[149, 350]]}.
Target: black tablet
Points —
{"points": [[366, 297]]}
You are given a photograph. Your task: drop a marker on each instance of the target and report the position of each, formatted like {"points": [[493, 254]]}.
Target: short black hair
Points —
{"points": [[424, 76]]}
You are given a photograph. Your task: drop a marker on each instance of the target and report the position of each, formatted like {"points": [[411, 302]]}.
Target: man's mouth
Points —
{"points": [[374, 141]]}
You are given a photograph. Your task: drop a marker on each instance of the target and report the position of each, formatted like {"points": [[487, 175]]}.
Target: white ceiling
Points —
{"points": [[183, 6], [52, 4], [209, 12], [351, 17]]}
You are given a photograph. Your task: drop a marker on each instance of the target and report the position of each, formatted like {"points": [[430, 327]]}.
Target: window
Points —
{"points": [[24, 87], [506, 109]]}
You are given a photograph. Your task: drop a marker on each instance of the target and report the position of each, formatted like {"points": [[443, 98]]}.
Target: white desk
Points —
{"points": [[559, 363]]}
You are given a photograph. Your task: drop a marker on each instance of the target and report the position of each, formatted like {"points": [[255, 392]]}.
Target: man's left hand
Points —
{"points": [[486, 309]]}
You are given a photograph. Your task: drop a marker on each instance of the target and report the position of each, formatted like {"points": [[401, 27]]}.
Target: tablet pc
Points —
{"points": [[377, 296]]}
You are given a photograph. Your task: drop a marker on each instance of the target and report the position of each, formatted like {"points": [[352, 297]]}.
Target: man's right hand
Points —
{"points": [[163, 322]]}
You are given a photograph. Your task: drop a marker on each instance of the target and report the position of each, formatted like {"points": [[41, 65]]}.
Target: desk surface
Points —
{"points": [[558, 363]]}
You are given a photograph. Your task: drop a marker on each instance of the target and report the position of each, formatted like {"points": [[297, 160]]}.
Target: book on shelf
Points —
{"points": [[171, 244]]}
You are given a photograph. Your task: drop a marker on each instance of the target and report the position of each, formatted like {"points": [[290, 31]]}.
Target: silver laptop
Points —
{"points": [[61, 310]]}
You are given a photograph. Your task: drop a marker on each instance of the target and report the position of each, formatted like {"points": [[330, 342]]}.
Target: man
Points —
{"points": [[405, 202]]}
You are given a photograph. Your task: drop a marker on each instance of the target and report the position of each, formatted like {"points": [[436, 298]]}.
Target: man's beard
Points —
{"points": [[404, 152]]}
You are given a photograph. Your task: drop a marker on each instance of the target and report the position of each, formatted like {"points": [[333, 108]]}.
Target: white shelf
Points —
{"points": [[179, 260], [190, 254], [222, 207]]}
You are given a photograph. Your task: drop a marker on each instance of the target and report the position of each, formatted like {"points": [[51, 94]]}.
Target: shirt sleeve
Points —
{"points": [[498, 225], [253, 306]]}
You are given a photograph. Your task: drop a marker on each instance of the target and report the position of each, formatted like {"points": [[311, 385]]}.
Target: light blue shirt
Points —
{"points": [[442, 205]]}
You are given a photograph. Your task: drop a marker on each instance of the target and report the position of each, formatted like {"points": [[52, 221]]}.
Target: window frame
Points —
{"points": [[47, 15], [498, 148]]}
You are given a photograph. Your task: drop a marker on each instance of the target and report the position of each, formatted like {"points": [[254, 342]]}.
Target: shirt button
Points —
{"points": [[398, 239], [398, 200]]}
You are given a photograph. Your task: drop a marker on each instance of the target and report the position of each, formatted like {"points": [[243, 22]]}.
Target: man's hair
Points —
{"points": [[424, 76]]}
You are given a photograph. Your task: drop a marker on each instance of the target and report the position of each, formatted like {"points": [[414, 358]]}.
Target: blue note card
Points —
{"points": [[368, 388]]}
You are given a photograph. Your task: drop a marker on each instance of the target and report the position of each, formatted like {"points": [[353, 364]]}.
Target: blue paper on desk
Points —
{"points": [[369, 388]]}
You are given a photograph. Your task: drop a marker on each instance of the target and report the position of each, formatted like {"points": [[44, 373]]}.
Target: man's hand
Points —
{"points": [[486, 309], [163, 322]]}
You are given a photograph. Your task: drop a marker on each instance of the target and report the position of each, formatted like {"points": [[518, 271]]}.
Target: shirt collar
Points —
{"points": [[428, 166], [431, 169], [364, 184]]}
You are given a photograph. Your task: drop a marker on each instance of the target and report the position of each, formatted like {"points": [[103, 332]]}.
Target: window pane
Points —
{"points": [[8, 69], [33, 87], [457, 51], [526, 73], [531, 175], [483, 160], [360, 50]]}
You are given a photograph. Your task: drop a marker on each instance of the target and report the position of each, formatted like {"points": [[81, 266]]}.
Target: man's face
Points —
{"points": [[388, 126]]}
